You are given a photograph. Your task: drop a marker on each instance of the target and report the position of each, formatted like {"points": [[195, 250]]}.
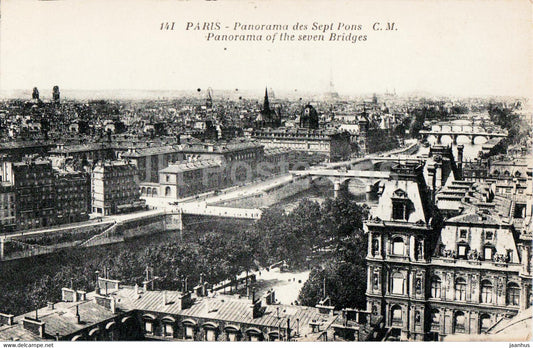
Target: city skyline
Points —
{"points": [[440, 49]]}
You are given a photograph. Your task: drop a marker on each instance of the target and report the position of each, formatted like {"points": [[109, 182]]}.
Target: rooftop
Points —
{"points": [[188, 166]]}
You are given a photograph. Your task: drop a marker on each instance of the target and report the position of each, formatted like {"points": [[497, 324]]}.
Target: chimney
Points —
{"points": [[460, 149], [432, 178], [438, 175], [97, 288], [50, 305], [78, 319], [164, 300]]}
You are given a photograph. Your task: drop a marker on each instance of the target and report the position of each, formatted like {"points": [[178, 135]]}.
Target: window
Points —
{"points": [[513, 294], [148, 327], [489, 235], [189, 332], [398, 246], [519, 211], [459, 322], [396, 314], [460, 289], [486, 291], [397, 283], [487, 252], [463, 233], [435, 287], [462, 250], [169, 330], [398, 211], [232, 336], [167, 191], [210, 335], [484, 322]]}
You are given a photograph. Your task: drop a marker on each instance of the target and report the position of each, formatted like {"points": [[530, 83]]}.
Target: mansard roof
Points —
{"points": [[476, 218]]}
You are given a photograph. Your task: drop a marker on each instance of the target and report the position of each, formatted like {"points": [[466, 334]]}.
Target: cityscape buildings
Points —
{"points": [[448, 233]]}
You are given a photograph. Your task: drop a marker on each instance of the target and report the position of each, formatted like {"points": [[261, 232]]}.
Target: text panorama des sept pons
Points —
{"points": [[315, 31]]}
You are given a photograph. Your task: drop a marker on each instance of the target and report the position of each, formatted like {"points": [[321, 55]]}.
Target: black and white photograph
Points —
{"points": [[265, 170]]}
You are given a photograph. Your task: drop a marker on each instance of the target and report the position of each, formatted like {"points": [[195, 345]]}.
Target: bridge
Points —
{"points": [[384, 163], [342, 176], [454, 131]]}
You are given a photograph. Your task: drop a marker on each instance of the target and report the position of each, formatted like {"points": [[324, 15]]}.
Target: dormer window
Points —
{"points": [[488, 252], [462, 250], [399, 211], [400, 205]]}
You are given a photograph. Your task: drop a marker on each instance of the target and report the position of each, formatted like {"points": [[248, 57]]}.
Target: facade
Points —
{"points": [[42, 196], [7, 207], [115, 188], [238, 159], [184, 179], [334, 146], [430, 279], [33, 182], [72, 196], [151, 160]]}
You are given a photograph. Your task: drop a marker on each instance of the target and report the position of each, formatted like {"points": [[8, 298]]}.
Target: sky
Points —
{"points": [[463, 48]]}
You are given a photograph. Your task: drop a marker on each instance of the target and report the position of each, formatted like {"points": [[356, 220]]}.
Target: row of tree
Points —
{"points": [[222, 251]]}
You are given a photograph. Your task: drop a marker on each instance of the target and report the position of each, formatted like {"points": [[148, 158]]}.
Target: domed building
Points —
{"points": [[309, 117]]}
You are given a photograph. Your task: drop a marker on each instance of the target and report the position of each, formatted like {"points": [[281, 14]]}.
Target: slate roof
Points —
{"points": [[230, 309]]}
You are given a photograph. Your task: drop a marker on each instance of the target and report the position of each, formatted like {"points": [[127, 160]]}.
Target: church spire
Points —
{"points": [[266, 103]]}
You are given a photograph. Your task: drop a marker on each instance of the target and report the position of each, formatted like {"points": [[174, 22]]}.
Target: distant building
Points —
{"points": [[238, 159], [7, 207], [72, 196], [33, 181], [115, 188], [333, 145], [187, 178], [149, 161], [44, 196], [309, 117], [55, 95], [268, 118]]}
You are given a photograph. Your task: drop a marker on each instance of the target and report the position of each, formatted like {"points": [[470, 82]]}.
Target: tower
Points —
{"points": [[35, 94], [55, 94], [266, 103], [209, 99]]}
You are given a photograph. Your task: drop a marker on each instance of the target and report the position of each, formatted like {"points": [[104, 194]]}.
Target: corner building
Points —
{"points": [[430, 278]]}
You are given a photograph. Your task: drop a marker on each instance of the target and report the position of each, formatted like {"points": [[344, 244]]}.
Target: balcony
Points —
{"points": [[476, 264]]}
